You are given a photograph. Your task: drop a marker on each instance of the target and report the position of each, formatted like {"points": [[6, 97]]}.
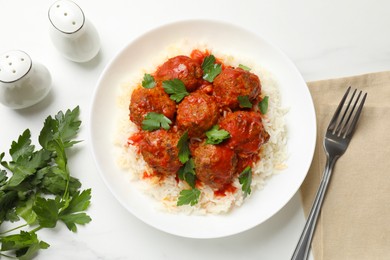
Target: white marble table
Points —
{"points": [[325, 39]]}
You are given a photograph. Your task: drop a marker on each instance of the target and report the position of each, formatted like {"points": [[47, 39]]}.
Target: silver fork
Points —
{"points": [[337, 137]]}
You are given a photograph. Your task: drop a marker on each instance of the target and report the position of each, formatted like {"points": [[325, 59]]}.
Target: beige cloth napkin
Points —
{"points": [[355, 218]]}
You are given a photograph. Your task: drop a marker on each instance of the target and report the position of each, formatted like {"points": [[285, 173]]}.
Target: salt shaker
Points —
{"points": [[72, 33], [23, 82]]}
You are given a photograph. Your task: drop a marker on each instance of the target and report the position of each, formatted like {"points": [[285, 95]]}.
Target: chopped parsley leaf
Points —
{"points": [[187, 173], [176, 89], [216, 136], [154, 121], [245, 179], [210, 68], [244, 101], [188, 197], [148, 81], [244, 67], [184, 150], [263, 105]]}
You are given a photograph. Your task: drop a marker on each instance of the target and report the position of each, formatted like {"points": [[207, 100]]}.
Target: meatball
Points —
{"points": [[246, 130], [145, 100], [159, 150], [234, 82], [183, 68], [215, 165], [197, 113]]}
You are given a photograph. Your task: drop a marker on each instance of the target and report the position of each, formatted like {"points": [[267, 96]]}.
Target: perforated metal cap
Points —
{"points": [[66, 16], [14, 65]]}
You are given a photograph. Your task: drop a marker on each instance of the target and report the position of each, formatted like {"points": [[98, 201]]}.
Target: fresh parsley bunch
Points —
{"points": [[36, 187]]}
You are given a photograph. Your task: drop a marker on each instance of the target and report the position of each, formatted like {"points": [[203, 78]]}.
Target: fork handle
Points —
{"points": [[303, 247]]}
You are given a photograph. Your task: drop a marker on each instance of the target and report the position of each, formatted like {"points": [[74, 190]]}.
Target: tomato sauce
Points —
{"points": [[229, 188], [135, 139]]}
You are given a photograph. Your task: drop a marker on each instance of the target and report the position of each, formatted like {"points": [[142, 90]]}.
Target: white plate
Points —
{"points": [[223, 37]]}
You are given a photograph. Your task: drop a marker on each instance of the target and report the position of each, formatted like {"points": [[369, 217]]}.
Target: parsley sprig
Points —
{"points": [[210, 68], [148, 81], [184, 149], [36, 186], [245, 179], [190, 197], [187, 173], [216, 135], [154, 121], [176, 89]]}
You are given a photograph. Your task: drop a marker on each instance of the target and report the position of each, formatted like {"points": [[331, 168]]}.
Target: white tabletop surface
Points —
{"points": [[325, 39]]}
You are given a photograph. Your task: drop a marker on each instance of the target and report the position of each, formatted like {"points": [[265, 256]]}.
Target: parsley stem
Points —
{"points": [[13, 229], [8, 256], [66, 192], [36, 229]]}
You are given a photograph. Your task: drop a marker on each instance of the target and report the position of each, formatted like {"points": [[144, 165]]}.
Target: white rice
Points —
{"points": [[166, 192]]}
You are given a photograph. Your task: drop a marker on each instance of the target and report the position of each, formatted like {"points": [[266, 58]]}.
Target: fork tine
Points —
{"points": [[345, 126], [349, 132], [336, 114], [341, 123]]}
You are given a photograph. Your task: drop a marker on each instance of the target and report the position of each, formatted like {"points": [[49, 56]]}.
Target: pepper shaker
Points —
{"points": [[23, 82], [72, 33]]}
